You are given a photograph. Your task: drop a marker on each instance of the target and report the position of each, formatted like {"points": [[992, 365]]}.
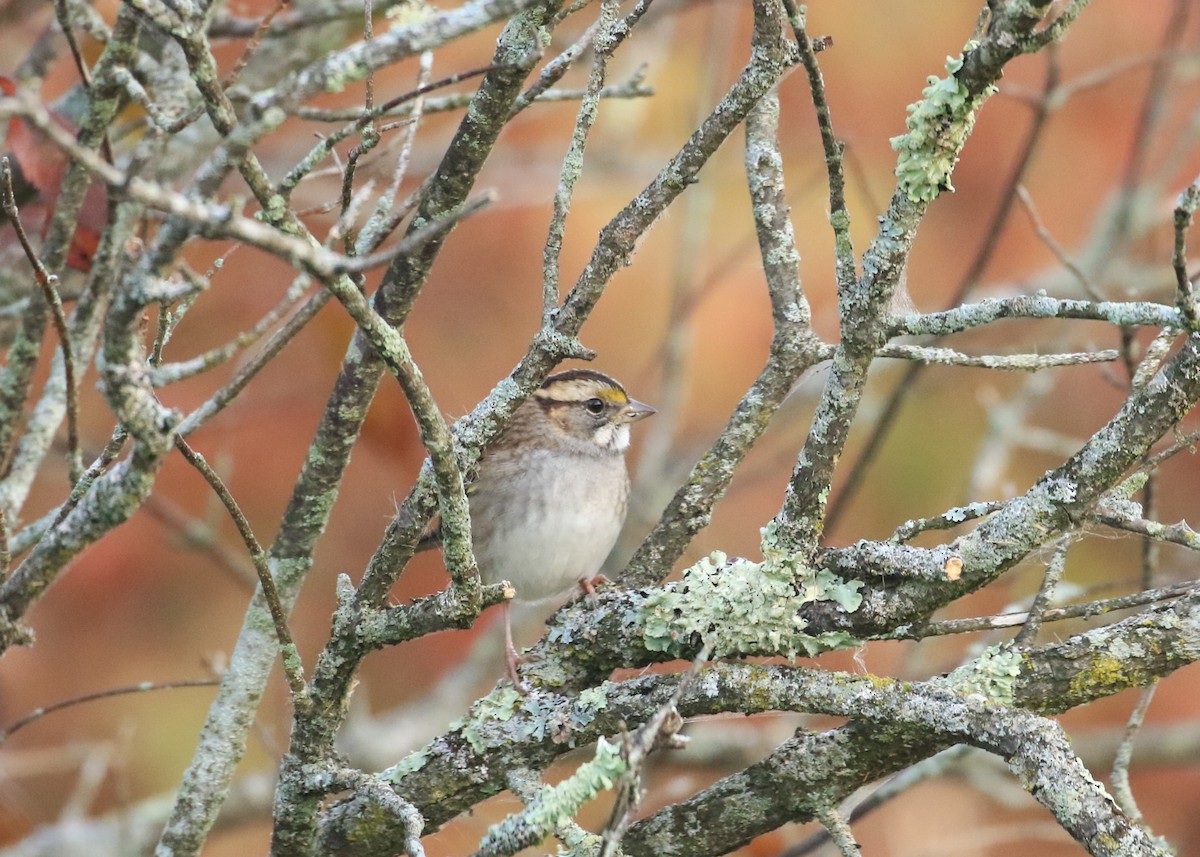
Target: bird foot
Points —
{"points": [[587, 585]]}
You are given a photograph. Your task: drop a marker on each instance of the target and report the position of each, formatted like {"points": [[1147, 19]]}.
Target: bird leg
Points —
{"points": [[511, 658]]}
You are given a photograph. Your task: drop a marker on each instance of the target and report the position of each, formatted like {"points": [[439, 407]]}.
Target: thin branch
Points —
{"points": [[933, 766], [1178, 533], [1158, 91], [554, 70], [211, 219], [989, 310], [383, 218], [839, 832], [225, 25], [839, 215], [948, 520], [292, 667], [1122, 791], [170, 373], [1185, 293], [5, 552], [603, 43], [201, 536], [1045, 595], [246, 373], [1060, 253], [143, 687], [1011, 362], [47, 282], [1055, 30], [359, 120], [1087, 610]]}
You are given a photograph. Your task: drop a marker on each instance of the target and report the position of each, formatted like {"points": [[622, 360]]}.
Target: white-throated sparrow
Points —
{"points": [[549, 496]]}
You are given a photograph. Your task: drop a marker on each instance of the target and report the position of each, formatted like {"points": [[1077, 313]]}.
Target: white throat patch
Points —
{"points": [[613, 436]]}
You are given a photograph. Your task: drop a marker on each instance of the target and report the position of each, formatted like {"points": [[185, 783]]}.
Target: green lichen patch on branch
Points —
{"points": [[505, 717], [938, 126], [992, 675], [555, 806], [742, 607]]}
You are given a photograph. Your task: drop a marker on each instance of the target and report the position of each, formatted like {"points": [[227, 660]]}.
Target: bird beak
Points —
{"points": [[635, 411]]}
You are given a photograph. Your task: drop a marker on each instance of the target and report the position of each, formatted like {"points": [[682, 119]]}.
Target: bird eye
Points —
{"points": [[594, 406]]}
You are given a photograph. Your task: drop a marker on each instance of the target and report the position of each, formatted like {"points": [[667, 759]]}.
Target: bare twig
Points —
{"points": [[1045, 595], [1185, 294], [839, 214], [948, 520], [292, 667], [1057, 249], [603, 44], [839, 831], [1086, 610], [47, 282], [1011, 362], [382, 219], [5, 554], [1179, 533], [968, 316], [1122, 791], [38, 713], [200, 535]]}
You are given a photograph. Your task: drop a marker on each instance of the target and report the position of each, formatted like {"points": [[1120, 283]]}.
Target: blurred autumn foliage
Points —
{"points": [[686, 327]]}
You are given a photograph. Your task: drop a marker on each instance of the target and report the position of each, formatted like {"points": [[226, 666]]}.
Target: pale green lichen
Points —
{"points": [[493, 721], [938, 126], [408, 14], [1131, 485], [496, 708], [992, 675], [587, 706], [741, 607], [555, 806], [546, 717], [410, 764], [577, 842], [274, 211]]}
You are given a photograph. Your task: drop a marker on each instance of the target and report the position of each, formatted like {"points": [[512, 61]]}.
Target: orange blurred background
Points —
{"points": [[148, 604]]}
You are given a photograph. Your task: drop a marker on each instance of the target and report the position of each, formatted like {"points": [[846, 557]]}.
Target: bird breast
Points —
{"points": [[546, 522]]}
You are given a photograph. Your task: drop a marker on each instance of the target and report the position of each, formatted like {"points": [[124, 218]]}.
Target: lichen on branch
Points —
{"points": [[938, 127]]}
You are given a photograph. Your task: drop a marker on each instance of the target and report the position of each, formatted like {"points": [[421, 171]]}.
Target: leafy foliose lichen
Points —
{"points": [[505, 717], [587, 706], [480, 725], [410, 764], [992, 675], [743, 607], [938, 126]]}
